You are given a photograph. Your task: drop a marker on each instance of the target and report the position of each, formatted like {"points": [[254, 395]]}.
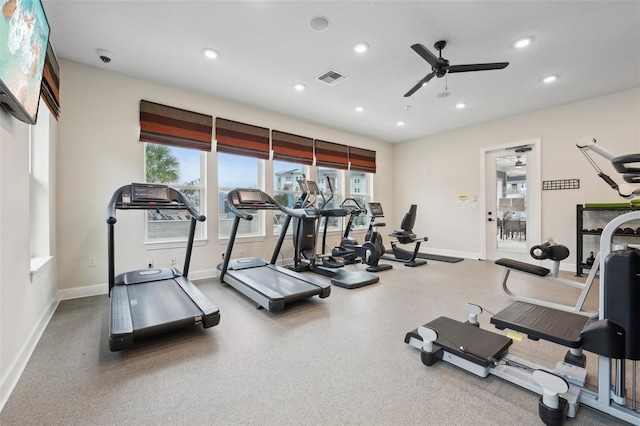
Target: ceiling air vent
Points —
{"points": [[332, 77]]}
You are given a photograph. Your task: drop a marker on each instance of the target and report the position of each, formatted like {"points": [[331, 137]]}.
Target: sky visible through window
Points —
{"points": [[235, 171], [189, 163]]}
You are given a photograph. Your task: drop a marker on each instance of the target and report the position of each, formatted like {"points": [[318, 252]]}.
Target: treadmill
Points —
{"points": [[155, 300], [267, 284]]}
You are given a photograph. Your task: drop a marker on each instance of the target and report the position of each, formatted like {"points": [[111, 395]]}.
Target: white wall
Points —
{"points": [[99, 151], [25, 306], [432, 171]]}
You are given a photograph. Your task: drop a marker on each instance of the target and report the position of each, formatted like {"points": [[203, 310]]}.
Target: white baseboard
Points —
{"points": [[86, 291], [13, 375]]}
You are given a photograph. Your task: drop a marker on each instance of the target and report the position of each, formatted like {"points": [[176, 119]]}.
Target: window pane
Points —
{"points": [[285, 188], [236, 171], [181, 169], [335, 175], [359, 189]]}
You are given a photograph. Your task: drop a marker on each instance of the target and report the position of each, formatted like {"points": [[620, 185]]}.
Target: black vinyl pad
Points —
{"points": [[540, 322]]}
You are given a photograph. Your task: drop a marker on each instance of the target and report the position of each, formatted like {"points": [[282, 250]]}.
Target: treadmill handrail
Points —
{"points": [[269, 204], [179, 202]]}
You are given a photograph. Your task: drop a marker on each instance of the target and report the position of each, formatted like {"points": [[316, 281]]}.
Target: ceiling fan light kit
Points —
{"points": [[440, 66]]}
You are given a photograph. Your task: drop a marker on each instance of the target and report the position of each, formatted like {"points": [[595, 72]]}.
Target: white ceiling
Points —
{"points": [[265, 47]]}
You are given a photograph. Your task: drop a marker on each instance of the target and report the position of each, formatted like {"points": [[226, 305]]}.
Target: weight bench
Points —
{"points": [[547, 275]]}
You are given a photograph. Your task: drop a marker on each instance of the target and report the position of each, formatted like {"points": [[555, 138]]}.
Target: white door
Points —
{"points": [[511, 200]]}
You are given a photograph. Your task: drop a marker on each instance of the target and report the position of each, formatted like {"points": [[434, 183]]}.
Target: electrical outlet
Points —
{"points": [[174, 260], [92, 261], [150, 263]]}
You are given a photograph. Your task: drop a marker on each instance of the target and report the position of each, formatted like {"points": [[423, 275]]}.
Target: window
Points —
{"points": [[182, 169], [40, 211], [360, 190], [285, 189], [237, 171], [335, 176]]}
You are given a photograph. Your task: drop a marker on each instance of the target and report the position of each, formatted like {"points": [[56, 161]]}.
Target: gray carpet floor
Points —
{"points": [[334, 361]]}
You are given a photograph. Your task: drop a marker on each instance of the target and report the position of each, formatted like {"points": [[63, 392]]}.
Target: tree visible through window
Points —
{"points": [[180, 168]]}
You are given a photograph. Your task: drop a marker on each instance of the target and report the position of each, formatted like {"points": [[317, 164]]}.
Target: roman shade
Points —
{"points": [[362, 160], [242, 139], [167, 125], [292, 148], [330, 154], [50, 91]]}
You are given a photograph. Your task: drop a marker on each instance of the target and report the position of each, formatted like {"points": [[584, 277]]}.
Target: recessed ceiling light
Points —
{"points": [[400, 123], [210, 53], [550, 79], [319, 23], [523, 42], [299, 87], [359, 108], [461, 105], [361, 47]]}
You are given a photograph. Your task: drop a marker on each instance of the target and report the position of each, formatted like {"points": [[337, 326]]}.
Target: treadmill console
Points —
{"points": [[248, 196], [149, 192], [376, 210]]}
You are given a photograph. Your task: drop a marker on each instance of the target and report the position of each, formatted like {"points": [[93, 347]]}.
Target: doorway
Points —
{"points": [[511, 200]]}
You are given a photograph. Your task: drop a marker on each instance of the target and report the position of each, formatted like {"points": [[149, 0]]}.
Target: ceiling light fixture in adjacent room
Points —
{"points": [[550, 79], [359, 108], [461, 105], [519, 164], [319, 23], [400, 123], [523, 42], [299, 87], [210, 53], [361, 47]]}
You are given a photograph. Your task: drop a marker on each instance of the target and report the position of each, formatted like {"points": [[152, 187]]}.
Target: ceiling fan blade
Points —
{"points": [[478, 67], [426, 54], [419, 85]]}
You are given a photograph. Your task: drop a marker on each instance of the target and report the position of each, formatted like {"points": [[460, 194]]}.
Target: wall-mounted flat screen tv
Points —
{"points": [[24, 34]]}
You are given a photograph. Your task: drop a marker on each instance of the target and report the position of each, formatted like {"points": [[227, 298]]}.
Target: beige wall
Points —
{"points": [[434, 170], [99, 151], [25, 304]]}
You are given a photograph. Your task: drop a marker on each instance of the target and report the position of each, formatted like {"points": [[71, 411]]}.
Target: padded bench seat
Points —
{"points": [[523, 266], [540, 322]]}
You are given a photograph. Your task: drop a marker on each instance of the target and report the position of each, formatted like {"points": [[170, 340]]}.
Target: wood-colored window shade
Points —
{"points": [[242, 139], [362, 160], [292, 148], [167, 125], [329, 154], [51, 82]]}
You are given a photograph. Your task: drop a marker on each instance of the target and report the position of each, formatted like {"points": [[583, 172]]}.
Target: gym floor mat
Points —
{"points": [[437, 257]]}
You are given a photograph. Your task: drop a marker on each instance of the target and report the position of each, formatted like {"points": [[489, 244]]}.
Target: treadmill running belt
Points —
{"points": [[160, 303]]}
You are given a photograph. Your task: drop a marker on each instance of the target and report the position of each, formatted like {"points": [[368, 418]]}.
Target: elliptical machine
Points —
{"points": [[305, 236]]}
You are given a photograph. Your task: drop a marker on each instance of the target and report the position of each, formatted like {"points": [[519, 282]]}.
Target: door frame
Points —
{"points": [[534, 190]]}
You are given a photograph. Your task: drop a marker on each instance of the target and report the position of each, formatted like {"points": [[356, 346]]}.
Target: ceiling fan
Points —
{"points": [[440, 66]]}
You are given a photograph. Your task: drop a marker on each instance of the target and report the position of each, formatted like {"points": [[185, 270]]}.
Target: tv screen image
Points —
{"points": [[24, 34]]}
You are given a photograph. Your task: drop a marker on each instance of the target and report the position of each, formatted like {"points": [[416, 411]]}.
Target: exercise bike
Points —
{"points": [[349, 250], [404, 236], [555, 253]]}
